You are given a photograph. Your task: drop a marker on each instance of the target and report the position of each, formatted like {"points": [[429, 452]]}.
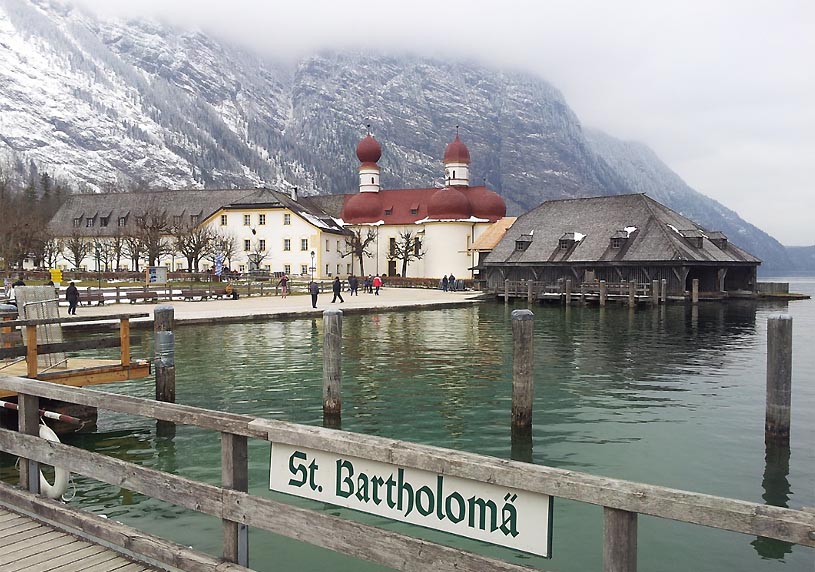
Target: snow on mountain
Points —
{"points": [[124, 104]]}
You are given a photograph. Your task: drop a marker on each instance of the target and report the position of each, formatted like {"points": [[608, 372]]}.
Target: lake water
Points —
{"points": [[671, 396]]}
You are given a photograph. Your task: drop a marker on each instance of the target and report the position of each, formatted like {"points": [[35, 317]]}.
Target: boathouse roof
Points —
{"points": [[644, 231]]}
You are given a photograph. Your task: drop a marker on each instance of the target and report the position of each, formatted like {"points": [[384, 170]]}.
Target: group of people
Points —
{"points": [[371, 284], [449, 283]]}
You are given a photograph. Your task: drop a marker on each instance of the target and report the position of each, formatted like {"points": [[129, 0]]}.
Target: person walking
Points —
{"points": [[444, 283], [452, 283], [313, 289], [337, 289], [353, 284], [284, 285], [377, 284], [72, 295]]}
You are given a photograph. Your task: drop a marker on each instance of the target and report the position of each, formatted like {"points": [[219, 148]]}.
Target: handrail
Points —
{"points": [[790, 525], [69, 319]]}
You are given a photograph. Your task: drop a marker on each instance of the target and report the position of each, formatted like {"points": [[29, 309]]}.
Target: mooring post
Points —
{"points": [[695, 291], [779, 377], [235, 476], [603, 292], [522, 374], [619, 540], [332, 364], [663, 293], [568, 292], [530, 292], [506, 291], [655, 292], [28, 422], [163, 318], [632, 294], [582, 293]]}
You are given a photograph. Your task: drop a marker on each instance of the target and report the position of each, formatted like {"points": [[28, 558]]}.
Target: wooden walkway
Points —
{"points": [[30, 546]]}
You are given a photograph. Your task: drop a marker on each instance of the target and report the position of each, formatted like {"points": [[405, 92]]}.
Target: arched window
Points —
{"points": [[454, 174]]}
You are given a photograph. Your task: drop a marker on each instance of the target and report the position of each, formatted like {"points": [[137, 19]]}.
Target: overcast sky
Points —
{"points": [[724, 92]]}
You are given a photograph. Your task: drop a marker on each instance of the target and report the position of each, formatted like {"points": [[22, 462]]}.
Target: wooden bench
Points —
{"points": [[88, 297], [220, 293], [190, 294], [146, 296]]}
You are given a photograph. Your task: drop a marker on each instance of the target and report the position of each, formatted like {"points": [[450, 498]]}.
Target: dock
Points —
{"points": [[30, 545]]}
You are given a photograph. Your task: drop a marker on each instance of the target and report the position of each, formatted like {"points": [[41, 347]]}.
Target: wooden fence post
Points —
{"points": [[619, 540], [332, 365], [695, 291], [28, 422], [164, 343], [603, 292], [235, 476], [523, 381], [779, 377]]}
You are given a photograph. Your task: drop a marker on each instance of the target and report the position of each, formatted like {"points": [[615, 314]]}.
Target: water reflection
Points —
{"points": [[777, 492]]}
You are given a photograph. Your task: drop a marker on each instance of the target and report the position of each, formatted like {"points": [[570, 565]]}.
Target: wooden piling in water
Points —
{"points": [[619, 540], [655, 292], [632, 294], [779, 377], [332, 364], [663, 291], [695, 291], [235, 476], [530, 292], [603, 293], [164, 343], [522, 372], [568, 292], [506, 291]]}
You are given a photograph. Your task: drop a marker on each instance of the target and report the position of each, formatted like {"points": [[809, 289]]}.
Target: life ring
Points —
{"points": [[61, 476]]}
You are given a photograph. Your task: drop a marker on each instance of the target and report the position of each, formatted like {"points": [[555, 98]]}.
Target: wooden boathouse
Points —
{"points": [[618, 240]]}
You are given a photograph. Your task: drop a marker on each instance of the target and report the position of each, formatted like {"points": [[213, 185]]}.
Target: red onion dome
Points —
{"points": [[448, 203], [457, 152], [368, 150], [363, 207], [486, 203]]}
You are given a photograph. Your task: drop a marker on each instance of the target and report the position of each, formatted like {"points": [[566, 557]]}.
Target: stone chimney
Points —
{"points": [[294, 193]]}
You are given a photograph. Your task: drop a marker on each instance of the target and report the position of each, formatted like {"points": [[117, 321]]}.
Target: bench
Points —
{"points": [[190, 294], [220, 293], [146, 296], [88, 297]]}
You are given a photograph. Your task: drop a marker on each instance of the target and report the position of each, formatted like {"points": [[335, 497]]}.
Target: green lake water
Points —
{"points": [[671, 396]]}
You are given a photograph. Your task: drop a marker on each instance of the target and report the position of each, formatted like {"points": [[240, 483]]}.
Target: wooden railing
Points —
{"points": [[622, 500]]}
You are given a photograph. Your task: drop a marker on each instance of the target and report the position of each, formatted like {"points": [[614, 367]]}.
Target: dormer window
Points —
{"points": [[523, 242], [122, 221], [103, 221], [140, 221], [77, 222], [718, 238], [89, 223], [618, 238], [569, 239], [693, 237], [616, 242], [388, 212], [176, 220], [194, 218]]}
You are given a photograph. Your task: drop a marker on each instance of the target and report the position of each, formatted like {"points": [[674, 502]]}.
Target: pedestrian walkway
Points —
{"points": [[31, 546], [260, 308]]}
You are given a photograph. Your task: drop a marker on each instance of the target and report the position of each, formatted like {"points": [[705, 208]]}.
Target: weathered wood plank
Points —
{"points": [[355, 539], [41, 556], [74, 346], [89, 526], [49, 540], [69, 319]]}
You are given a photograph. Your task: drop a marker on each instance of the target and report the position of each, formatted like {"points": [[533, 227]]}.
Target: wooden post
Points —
{"points": [[695, 291], [582, 293], [28, 422], [779, 377], [124, 340], [655, 292], [235, 476], [332, 364], [163, 317], [522, 371], [530, 291], [568, 292], [8, 313], [603, 293], [663, 293], [632, 294], [506, 291], [619, 540], [31, 351]]}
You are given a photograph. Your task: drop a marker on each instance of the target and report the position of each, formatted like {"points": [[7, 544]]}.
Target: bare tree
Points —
{"points": [[257, 255], [193, 243], [133, 248], [357, 246], [117, 248], [406, 248], [225, 245], [51, 251], [78, 248], [151, 229]]}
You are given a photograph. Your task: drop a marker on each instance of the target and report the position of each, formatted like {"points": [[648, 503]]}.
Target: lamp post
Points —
{"points": [[99, 266], [312, 266]]}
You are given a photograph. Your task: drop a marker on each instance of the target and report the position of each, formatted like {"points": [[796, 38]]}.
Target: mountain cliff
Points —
{"points": [[132, 104]]}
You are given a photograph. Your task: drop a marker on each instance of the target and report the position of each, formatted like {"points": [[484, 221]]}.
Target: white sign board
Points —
{"points": [[499, 515], [156, 275]]}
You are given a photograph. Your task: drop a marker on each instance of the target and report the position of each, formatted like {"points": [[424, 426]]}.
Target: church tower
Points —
{"points": [[457, 164]]}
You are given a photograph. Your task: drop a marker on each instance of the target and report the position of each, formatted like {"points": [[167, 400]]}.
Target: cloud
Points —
{"points": [[722, 91]]}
